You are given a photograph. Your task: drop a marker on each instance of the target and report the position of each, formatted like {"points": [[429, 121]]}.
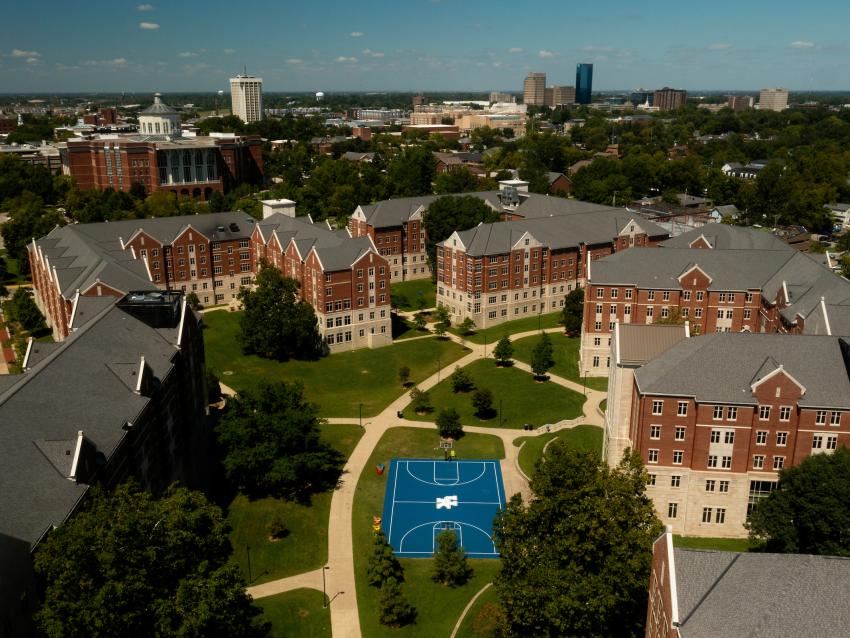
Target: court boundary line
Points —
{"points": [[483, 464]]}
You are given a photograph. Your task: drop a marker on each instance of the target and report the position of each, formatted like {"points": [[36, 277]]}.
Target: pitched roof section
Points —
{"points": [[726, 237], [42, 411], [395, 212], [558, 232], [701, 368], [640, 343], [757, 595], [85, 253], [337, 250]]}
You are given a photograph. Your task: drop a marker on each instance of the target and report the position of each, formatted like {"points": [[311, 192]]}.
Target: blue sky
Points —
{"points": [[408, 45]]}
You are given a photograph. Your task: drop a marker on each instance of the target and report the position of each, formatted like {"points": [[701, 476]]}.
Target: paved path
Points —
{"points": [[340, 579]]}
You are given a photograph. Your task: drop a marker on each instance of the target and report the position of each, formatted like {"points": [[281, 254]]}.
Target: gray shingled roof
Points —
{"points": [[336, 249], [761, 595], [158, 107], [534, 206], [701, 367], [394, 212], [84, 253], [558, 232], [726, 237], [42, 410]]}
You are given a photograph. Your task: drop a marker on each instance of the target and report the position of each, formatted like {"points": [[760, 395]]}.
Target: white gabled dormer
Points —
{"points": [[526, 240], [358, 214], [691, 271], [631, 229], [454, 242]]}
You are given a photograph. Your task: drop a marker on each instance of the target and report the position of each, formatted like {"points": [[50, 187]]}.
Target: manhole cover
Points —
{"points": [[227, 373]]}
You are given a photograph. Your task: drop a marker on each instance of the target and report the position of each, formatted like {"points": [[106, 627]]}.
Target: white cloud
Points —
{"points": [[33, 60], [144, 7], [295, 61], [148, 26], [373, 54], [719, 46], [802, 44], [356, 34], [593, 47], [20, 53], [114, 62], [545, 54], [229, 51], [343, 59], [187, 54], [515, 50]]}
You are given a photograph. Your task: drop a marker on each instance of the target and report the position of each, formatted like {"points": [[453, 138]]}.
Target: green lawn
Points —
{"points": [[566, 358], [297, 614], [338, 383], [306, 546], [581, 437], [439, 607], [549, 320], [406, 294], [522, 399], [478, 622], [719, 544], [405, 329]]}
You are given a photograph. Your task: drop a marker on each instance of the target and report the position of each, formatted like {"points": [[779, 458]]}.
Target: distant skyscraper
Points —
{"points": [[560, 95], [246, 93], [584, 82], [499, 96], [773, 99], [668, 99], [534, 89]]}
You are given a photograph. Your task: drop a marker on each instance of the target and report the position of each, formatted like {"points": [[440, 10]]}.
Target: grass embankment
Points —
{"points": [[481, 619], [297, 614], [719, 544], [581, 437], [521, 398], [338, 383], [492, 335], [438, 607], [306, 545], [566, 359]]}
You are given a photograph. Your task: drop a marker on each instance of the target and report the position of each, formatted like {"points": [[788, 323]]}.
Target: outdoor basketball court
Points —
{"points": [[425, 497]]}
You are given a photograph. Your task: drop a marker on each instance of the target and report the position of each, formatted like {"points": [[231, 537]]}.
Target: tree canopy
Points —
{"points": [[504, 351], [129, 564], [447, 214], [272, 443], [542, 356], [276, 324], [573, 312], [575, 560], [807, 513]]}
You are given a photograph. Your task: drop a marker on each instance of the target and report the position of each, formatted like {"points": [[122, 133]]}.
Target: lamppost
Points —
{"points": [[325, 602], [248, 549]]}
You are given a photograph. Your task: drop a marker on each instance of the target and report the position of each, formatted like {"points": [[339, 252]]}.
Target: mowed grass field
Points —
{"points": [[581, 437], [520, 397], [566, 358], [492, 335], [297, 614], [338, 383], [438, 607], [306, 545], [406, 294]]}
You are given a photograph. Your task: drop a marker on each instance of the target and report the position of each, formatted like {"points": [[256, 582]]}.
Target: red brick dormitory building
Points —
{"points": [[716, 417], [214, 255], [720, 279]]}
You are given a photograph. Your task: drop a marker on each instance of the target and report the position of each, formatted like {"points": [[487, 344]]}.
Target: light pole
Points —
{"points": [[325, 602], [248, 549]]}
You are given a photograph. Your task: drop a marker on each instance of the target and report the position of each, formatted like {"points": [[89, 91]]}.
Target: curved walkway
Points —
{"points": [[340, 578]]}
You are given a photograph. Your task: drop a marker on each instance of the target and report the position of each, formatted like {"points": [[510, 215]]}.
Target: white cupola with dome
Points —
{"points": [[159, 119]]}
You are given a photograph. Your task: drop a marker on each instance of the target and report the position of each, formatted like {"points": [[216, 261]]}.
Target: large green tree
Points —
{"points": [[808, 512], [272, 443], [542, 356], [276, 324], [129, 564], [447, 214], [573, 312], [575, 559], [450, 567], [411, 172]]}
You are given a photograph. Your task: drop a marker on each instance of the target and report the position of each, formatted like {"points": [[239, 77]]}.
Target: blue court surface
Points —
{"points": [[425, 497]]}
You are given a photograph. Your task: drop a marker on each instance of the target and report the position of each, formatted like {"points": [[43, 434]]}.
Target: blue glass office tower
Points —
{"points": [[584, 82]]}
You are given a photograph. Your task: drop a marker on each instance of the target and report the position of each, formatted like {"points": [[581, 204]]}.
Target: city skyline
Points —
{"points": [[138, 47]]}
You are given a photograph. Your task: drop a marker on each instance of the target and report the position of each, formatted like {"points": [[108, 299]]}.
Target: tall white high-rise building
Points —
{"points": [[246, 93], [773, 100]]}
